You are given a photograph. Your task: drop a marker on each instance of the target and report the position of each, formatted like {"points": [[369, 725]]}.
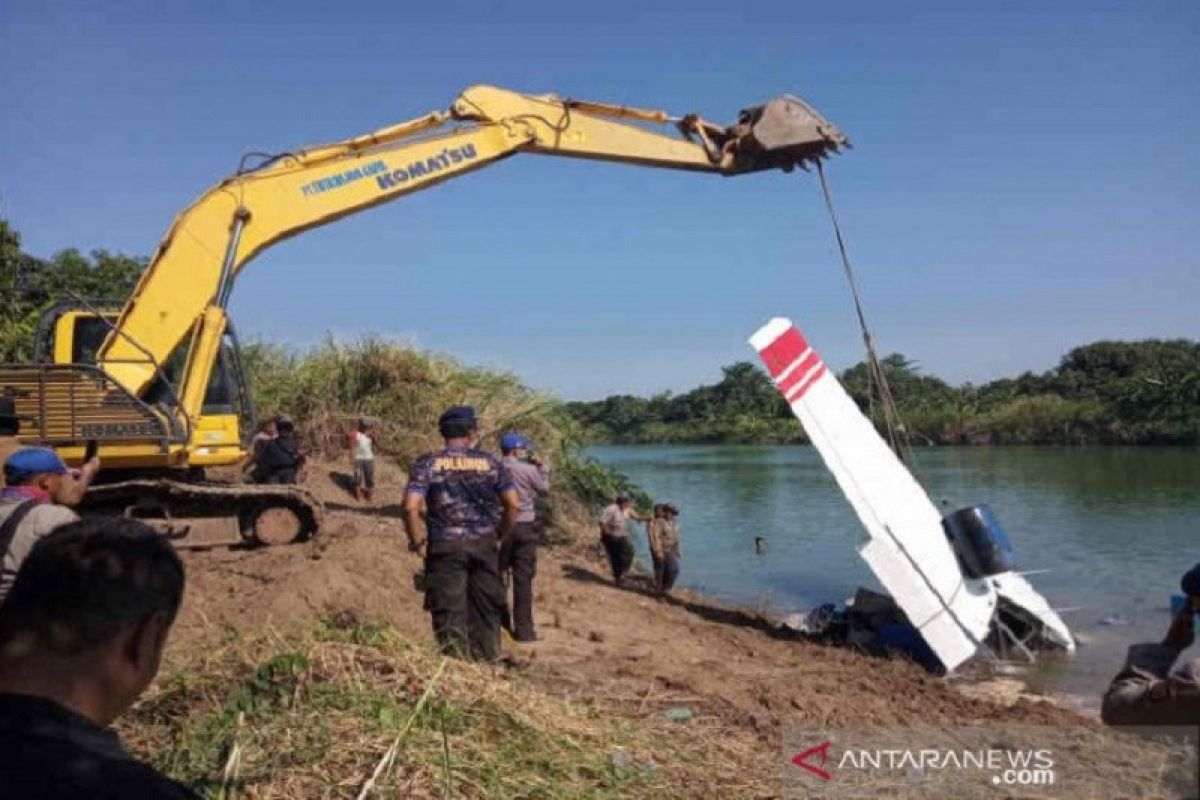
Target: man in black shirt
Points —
{"points": [[279, 460], [81, 636]]}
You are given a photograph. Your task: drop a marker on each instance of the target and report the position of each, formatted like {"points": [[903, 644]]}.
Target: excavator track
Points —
{"points": [[203, 515]]}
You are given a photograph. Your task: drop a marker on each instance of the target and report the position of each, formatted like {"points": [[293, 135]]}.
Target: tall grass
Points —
{"points": [[313, 712], [327, 388]]}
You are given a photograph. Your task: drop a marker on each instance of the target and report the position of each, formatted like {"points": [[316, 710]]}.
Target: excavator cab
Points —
{"points": [[69, 337], [65, 399]]}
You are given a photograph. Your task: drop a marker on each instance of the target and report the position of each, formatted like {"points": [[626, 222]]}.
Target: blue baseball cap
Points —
{"points": [[29, 461], [515, 441]]}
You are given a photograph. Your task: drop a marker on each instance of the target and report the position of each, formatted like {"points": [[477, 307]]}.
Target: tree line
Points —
{"points": [[1107, 392], [29, 285]]}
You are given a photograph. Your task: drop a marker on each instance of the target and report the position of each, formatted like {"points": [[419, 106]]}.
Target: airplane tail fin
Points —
{"points": [[907, 550]]}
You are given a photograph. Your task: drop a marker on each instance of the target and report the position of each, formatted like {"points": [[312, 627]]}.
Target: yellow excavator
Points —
{"points": [[158, 386]]}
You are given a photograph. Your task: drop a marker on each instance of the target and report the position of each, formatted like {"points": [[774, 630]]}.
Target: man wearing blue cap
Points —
{"points": [[36, 481], [470, 508], [77, 481], [531, 477], [1146, 691]]}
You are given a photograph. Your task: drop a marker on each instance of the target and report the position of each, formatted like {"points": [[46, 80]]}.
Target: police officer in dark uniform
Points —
{"points": [[470, 508]]}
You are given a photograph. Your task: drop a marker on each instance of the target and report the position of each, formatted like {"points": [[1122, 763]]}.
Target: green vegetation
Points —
{"points": [[743, 407], [327, 388], [314, 712], [1145, 392], [29, 285]]}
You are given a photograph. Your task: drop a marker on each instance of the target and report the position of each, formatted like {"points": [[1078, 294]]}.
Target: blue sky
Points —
{"points": [[1025, 176]]}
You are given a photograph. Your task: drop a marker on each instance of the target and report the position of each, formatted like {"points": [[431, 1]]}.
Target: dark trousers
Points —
{"points": [[465, 597], [666, 570], [519, 554], [364, 473], [279, 476], [620, 554]]}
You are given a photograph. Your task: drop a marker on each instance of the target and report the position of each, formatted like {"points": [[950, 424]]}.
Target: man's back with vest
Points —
{"points": [[462, 488], [470, 507]]}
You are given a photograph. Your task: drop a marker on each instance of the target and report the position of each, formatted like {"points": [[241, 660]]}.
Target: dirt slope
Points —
{"points": [[600, 643], [619, 652]]}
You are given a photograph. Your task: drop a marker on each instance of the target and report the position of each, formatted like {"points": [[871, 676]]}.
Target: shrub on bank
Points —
{"points": [[327, 388]]}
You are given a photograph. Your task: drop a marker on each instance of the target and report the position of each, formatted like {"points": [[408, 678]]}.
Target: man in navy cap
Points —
{"points": [[1146, 691], [470, 506], [531, 477], [31, 506]]}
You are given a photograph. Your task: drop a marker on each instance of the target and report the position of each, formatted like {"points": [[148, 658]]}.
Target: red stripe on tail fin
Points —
{"points": [[799, 372], [780, 354], [797, 394]]}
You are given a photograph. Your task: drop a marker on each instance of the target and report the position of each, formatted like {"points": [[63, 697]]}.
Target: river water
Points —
{"points": [[1114, 527]]}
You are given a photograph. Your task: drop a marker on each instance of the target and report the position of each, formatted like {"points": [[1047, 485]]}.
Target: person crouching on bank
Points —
{"points": [[1146, 691]]}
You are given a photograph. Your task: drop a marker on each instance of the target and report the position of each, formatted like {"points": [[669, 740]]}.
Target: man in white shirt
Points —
{"points": [[614, 534], [362, 454]]}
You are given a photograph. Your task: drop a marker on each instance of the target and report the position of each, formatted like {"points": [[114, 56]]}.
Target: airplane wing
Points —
{"points": [[908, 550]]}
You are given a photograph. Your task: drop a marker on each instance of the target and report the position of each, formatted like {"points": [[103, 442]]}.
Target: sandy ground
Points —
{"points": [[620, 651], [594, 636]]}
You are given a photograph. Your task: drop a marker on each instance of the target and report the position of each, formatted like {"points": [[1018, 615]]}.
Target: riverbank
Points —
{"points": [[323, 652]]}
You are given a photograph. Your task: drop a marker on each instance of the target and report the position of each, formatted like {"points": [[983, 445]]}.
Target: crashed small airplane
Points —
{"points": [[952, 577]]}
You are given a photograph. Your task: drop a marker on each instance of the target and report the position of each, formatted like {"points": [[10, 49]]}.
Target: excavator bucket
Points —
{"points": [[782, 133]]}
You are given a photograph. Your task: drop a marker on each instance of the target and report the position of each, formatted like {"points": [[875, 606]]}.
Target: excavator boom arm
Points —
{"points": [[186, 286]]}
